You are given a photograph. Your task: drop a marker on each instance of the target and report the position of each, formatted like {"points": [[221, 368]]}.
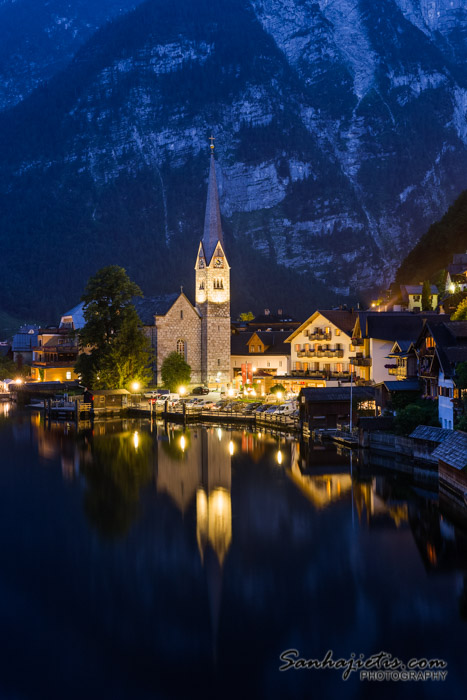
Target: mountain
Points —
{"points": [[340, 132], [435, 249], [37, 39]]}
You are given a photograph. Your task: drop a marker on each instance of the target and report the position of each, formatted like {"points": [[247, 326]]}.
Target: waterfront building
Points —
{"points": [[322, 347], [261, 354]]}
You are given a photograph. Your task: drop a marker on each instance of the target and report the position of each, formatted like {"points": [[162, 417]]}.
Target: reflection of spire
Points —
{"points": [[214, 522]]}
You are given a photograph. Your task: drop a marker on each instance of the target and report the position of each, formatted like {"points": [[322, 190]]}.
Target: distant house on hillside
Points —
{"points": [[458, 265], [411, 295]]}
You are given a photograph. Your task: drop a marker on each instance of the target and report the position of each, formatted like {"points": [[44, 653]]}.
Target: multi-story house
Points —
{"points": [[374, 337], [56, 352], [266, 352], [411, 296], [321, 347], [441, 347], [404, 363]]}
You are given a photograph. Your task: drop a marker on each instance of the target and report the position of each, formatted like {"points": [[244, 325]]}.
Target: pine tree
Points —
{"points": [[426, 296], [460, 314]]}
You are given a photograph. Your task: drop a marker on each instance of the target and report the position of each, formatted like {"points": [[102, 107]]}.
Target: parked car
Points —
{"points": [[203, 390], [262, 408]]}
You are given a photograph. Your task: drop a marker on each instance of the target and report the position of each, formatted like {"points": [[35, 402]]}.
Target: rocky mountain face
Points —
{"points": [[340, 130], [37, 39]]}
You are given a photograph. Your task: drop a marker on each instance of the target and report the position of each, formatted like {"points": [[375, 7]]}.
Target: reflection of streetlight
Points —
{"points": [[135, 386], [279, 457], [136, 439], [231, 448], [219, 433], [230, 392], [183, 443], [259, 435]]}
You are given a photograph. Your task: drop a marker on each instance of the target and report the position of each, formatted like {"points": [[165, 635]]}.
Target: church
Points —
{"points": [[200, 333]]}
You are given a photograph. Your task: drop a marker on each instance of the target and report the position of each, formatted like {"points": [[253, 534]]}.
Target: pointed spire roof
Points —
{"points": [[212, 221]]}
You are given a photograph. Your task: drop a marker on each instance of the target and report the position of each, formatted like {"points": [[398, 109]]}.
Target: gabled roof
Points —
{"points": [[390, 325], [453, 451], [212, 222], [342, 319], [77, 314], [274, 340], [148, 307], [430, 433], [417, 289]]}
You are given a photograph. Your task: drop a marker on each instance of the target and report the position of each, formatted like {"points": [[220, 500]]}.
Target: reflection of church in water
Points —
{"points": [[201, 474]]}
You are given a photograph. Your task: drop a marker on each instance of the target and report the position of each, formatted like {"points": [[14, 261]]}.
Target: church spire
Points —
{"points": [[212, 221]]}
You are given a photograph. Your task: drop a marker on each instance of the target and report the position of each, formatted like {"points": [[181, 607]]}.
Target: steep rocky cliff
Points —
{"points": [[340, 128]]}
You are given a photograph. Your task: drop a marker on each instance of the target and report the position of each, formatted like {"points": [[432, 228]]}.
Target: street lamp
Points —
{"points": [[135, 386], [182, 390]]}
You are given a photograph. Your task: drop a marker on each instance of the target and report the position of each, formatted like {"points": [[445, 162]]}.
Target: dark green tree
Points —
{"points": [[115, 348], [175, 371], [426, 296], [423, 412], [277, 388]]}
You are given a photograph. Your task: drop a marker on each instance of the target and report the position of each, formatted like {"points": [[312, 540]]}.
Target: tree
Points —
{"points": [[423, 412], [246, 316], [277, 388], [460, 314], [426, 296], [175, 371], [117, 349]]}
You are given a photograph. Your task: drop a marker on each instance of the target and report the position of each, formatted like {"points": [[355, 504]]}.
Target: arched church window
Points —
{"points": [[181, 347], [218, 284], [201, 286], [181, 314]]}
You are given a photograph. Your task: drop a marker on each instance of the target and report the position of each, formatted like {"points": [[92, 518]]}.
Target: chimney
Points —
{"points": [[279, 312], [266, 312]]}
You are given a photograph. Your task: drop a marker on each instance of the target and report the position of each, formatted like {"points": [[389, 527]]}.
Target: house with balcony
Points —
{"points": [[56, 351], [374, 337], [402, 361], [441, 347], [320, 349]]}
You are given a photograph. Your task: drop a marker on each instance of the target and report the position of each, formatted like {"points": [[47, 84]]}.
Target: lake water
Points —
{"points": [[144, 562]]}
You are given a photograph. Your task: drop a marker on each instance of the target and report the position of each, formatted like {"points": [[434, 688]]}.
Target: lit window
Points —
{"points": [[181, 348], [337, 331], [68, 375], [297, 347], [352, 348]]}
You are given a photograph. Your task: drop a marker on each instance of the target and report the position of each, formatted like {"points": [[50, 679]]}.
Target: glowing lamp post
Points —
{"points": [[135, 386]]}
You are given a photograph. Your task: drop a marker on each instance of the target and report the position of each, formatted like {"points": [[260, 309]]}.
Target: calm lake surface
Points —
{"points": [[139, 562]]}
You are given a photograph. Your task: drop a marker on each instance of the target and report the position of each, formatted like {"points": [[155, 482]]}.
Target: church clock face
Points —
{"points": [[218, 262]]}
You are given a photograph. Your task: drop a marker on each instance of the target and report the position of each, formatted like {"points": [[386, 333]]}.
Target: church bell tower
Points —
{"points": [[213, 291]]}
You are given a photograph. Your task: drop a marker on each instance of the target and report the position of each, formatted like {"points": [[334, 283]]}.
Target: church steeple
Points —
{"points": [[213, 291], [212, 221]]}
